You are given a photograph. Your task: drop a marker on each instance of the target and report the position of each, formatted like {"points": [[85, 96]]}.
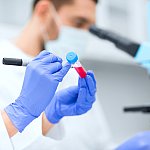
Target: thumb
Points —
{"points": [[61, 74], [42, 54]]}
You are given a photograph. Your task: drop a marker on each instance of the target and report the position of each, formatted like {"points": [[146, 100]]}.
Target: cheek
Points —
{"points": [[52, 29]]}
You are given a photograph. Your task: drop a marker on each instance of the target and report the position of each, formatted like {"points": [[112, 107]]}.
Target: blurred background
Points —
{"points": [[126, 17], [122, 81]]}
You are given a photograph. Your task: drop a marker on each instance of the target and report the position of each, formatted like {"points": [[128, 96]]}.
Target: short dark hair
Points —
{"points": [[58, 3]]}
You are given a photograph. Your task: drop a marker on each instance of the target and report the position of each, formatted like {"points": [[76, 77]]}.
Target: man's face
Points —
{"points": [[80, 14]]}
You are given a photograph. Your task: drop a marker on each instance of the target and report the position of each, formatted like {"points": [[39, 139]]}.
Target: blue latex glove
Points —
{"points": [[42, 77], [143, 56], [139, 142], [73, 101]]}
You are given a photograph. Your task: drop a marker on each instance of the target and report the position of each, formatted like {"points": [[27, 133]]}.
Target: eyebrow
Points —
{"points": [[82, 19]]}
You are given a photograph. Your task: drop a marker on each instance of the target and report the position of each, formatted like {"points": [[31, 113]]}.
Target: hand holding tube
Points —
{"points": [[42, 77], [73, 101]]}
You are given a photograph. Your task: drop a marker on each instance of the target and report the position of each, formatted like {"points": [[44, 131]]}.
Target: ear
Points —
{"points": [[42, 8]]}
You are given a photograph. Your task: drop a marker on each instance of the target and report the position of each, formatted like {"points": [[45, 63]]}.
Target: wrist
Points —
{"points": [[46, 125], [52, 115], [11, 129], [53, 119]]}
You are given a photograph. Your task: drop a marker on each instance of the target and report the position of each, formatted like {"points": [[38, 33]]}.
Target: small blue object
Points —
{"points": [[72, 57], [143, 55], [138, 142]]}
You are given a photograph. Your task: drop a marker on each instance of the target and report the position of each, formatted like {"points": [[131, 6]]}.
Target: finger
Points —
{"points": [[83, 105], [51, 59], [75, 110], [59, 59], [68, 95], [83, 110], [82, 83], [90, 73], [54, 67], [91, 85], [61, 74], [42, 54], [82, 96], [91, 99], [69, 111], [72, 91]]}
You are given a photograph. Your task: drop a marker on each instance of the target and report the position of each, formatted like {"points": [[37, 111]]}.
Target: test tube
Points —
{"points": [[73, 59]]}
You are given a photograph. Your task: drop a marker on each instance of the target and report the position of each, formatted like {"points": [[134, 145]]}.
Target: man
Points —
{"points": [[41, 28], [77, 14], [75, 17]]}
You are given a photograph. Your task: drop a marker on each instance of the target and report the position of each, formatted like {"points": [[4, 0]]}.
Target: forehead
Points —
{"points": [[80, 8]]}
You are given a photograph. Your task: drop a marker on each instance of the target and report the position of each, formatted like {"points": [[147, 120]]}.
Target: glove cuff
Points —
{"points": [[19, 116]]}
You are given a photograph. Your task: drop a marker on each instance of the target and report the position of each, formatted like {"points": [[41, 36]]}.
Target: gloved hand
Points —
{"points": [[42, 77], [72, 101], [143, 56], [139, 142]]}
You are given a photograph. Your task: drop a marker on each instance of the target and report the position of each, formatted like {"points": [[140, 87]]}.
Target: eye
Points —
{"points": [[80, 22]]}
